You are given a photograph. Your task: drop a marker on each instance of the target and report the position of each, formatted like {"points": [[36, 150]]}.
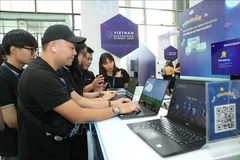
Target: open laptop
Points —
{"points": [[151, 98], [129, 91], [184, 127]]}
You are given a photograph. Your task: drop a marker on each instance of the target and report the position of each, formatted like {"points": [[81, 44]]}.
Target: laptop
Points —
{"points": [[128, 92], [150, 100], [184, 127]]}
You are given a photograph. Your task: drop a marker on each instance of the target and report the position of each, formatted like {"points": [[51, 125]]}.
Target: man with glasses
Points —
{"points": [[19, 46], [90, 81]]}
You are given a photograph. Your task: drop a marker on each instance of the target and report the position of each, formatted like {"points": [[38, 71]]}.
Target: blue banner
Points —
{"points": [[205, 23], [170, 53], [119, 36]]}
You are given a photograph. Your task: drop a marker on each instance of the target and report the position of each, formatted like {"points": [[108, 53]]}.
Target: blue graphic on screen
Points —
{"points": [[205, 23], [224, 110], [153, 93], [225, 57]]}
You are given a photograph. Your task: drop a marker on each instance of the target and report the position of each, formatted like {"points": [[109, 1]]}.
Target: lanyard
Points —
{"points": [[63, 82], [113, 83], [4, 64]]}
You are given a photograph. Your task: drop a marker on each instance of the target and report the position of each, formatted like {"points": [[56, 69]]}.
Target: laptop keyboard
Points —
{"points": [[174, 132]]}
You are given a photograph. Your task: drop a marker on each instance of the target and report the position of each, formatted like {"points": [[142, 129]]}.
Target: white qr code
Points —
{"points": [[225, 117]]}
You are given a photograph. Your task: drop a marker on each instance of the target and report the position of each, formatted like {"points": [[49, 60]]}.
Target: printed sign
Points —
{"points": [[170, 53], [119, 36]]}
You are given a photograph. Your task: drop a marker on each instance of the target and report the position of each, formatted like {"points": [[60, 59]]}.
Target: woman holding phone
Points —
{"points": [[114, 77]]}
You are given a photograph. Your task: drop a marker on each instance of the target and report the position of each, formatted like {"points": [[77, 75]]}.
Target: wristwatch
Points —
{"points": [[116, 110]]}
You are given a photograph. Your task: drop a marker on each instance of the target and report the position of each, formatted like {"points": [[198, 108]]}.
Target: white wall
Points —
{"points": [[194, 2], [92, 18]]}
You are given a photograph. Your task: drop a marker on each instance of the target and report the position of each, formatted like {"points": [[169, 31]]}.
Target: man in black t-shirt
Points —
{"points": [[20, 46], [91, 83], [49, 110]]}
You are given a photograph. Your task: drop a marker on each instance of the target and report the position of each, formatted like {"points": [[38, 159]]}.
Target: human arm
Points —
{"points": [[9, 114], [95, 85], [62, 103], [96, 103], [75, 114], [8, 98], [1, 120], [101, 95]]}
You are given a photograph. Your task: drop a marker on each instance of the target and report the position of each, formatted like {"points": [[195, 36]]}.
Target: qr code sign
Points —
{"points": [[225, 117]]}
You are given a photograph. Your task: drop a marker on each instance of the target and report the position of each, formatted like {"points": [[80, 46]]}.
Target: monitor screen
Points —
{"points": [[188, 104], [225, 57], [153, 93]]}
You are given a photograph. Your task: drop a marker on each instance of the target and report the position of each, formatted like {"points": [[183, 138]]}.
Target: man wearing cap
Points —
{"points": [[49, 112], [20, 47]]}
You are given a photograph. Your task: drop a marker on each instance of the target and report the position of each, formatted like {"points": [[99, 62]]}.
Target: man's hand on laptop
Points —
{"points": [[129, 108], [107, 95], [121, 101], [125, 100]]}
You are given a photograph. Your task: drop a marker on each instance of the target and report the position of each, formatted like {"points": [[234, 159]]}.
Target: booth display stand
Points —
{"points": [[223, 119], [228, 149]]}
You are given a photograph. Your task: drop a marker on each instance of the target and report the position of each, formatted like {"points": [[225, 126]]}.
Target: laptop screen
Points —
{"points": [[131, 85], [153, 93], [188, 105]]}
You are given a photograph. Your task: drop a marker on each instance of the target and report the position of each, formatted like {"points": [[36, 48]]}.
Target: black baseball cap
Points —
{"points": [[60, 31]]}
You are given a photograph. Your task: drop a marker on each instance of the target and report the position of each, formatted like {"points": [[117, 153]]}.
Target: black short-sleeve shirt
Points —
{"points": [[40, 91], [9, 76], [67, 75], [88, 77], [118, 82]]}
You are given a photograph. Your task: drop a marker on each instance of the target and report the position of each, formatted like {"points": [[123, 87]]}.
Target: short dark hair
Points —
{"points": [[2, 52], [18, 38], [90, 50]]}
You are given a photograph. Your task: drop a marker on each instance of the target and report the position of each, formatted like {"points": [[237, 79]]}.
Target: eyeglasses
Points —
{"points": [[84, 53], [88, 58], [33, 50]]}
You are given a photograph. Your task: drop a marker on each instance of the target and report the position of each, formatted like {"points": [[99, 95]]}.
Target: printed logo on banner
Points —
{"points": [[170, 53], [119, 36]]}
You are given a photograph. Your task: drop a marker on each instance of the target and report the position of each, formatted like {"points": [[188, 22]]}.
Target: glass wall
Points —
{"points": [[154, 17], [36, 15]]}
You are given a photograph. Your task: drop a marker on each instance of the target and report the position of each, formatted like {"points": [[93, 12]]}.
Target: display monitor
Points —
{"points": [[225, 57]]}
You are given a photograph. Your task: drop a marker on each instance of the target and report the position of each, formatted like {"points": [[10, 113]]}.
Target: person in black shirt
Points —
{"points": [[49, 112], [114, 76], [20, 46], [75, 75], [91, 83]]}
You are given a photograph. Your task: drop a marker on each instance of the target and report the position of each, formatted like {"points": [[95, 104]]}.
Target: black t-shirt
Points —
{"points": [[65, 73], [88, 77], [40, 91], [118, 82], [9, 76]]}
